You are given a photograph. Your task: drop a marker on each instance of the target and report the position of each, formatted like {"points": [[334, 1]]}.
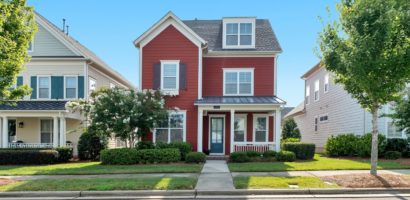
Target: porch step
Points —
{"points": [[217, 157]]}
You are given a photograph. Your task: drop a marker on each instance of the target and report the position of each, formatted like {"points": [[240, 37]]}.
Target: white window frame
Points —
{"points": [[255, 117], [238, 70], [317, 89], [307, 95], [38, 86], [76, 86], [238, 21], [174, 91], [245, 117], [326, 84], [89, 85], [183, 112], [323, 121], [32, 47], [51, 131]]}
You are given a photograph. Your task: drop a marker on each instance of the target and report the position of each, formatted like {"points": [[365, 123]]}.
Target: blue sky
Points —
{"points": [[109, 27]]}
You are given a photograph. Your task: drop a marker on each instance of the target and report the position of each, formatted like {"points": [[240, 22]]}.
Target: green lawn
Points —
{"points": [[319, 163], [97, 168], [102, 184], [261, 182]]}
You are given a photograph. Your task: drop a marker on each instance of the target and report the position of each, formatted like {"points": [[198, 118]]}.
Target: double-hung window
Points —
{"points": [[316, 94], [172, 129], [92, 85], [238, 82], [170, 75], [44, 85], [239, 33], [260, 126], [326, 84], [240, 128], [71, 85], [307, 96], [324, 118]]}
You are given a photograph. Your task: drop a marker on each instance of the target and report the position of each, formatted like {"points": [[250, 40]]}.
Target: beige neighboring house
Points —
{"points": [[329, 110], [60, 69]]}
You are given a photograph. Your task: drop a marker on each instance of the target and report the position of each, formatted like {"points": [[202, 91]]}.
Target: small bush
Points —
{"points": [[239, 157], [158, 155], [64, 154], [28, 157], [145, 145], [303, 151], [195, 157], [285, 156], [253, 154], [183, 147], [397, 144], [364, 147], [291, 140], [392, 155], [269, 154], [342, 145], [90, 145], [123, 156]]}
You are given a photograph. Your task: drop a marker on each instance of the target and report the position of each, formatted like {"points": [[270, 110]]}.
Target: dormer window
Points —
{"points": [[238, 33]]}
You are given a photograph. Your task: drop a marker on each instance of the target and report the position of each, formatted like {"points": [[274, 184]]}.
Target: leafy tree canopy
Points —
{"points": [[290, 129]]}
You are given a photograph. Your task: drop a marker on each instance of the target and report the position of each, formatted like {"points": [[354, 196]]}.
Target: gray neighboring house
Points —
{"points": [[329, 110]]}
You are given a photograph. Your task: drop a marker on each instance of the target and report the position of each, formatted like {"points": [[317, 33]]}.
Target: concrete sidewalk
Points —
{"points": [[321, 173], [215, 176]]}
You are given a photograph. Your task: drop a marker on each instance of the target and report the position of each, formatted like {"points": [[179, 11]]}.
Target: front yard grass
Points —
{"points": [[102, 184], [83, 168], [261, 182], [319, 162]]}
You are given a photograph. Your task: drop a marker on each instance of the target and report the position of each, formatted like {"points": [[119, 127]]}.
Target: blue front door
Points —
{"points": [[217, 131]]}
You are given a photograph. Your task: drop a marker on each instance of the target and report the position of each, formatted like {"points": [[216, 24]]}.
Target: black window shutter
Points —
{"points": [[182, 76], [156, 76]]}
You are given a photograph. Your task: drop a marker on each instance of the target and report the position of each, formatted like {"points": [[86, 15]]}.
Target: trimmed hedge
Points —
{"points": [[64, 154], [239, 157], [183, 147], [364, 147], [303, 151], [195, 157], [253, 154], [27, 157], [126, 156], [269, 154], [392, 155], [342, 145], [285, 156], [145, 145], [397, 144]]}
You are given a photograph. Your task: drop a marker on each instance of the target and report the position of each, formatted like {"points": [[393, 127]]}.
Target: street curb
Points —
{"points": [[138, 193], [41, 194], [305, 191]]}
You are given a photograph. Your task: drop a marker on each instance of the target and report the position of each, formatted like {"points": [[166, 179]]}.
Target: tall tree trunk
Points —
{"points": [[375, 143]]}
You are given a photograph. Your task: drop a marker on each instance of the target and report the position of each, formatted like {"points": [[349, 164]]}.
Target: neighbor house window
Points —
{"points": [[71, 87], [46, 130], [92, 85], [260, 126], [316, 94], [324, 118], [239, 33], [44, 83], [238, 81], [172, 129], [240, 128], [393, 131], [326, 83], [170, 75], [316, 124], [307, 97], [30, 47]]}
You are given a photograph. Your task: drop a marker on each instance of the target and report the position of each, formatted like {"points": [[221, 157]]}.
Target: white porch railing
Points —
{"points": [[33, 145], [254, 147]]}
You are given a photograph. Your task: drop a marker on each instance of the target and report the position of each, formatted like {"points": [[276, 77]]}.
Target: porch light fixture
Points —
{"points": [[21, 124]]}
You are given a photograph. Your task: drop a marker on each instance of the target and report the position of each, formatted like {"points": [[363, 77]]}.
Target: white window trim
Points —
{"points": [[38, 86], [238, 21], [170, 91], [255, 116], [238, 70], [326, 82], [76, 86], [316, 90], [90, 78], [32, 47], [307, 95], [183, 112], [325, 121], [245, 116]]}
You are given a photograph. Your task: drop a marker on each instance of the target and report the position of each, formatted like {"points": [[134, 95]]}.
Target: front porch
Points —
{"points": [[255, 122]]}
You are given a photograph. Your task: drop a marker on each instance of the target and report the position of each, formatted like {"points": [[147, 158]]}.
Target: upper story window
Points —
{"points": [[170, 75], [70, 87], [238, 33], [92, 85], [326, 83], [238, 82], [316, 94], [44, 85], [307, 97]]}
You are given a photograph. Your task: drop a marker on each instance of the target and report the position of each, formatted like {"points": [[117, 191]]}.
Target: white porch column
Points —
{"points": [[200, 129], [55, 132], [232, 129], [278, 130], [5, 133], [62, 131]]}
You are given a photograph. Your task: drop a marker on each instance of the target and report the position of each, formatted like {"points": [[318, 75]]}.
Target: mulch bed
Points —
{"points": [[369, 181], [4, 181]]}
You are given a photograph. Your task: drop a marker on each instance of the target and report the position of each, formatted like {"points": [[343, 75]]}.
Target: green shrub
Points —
{"points": [[123, 156], [342, 145], [269, 154], [364, 147], [90, 145], [285, 156], [303, 151], [291, 140], [195, 157], [145, 145], [392, 155], [183, 147], [158, 155], [397, 144], [239, 157], [253, 154], [64, 154], [27, 157]]}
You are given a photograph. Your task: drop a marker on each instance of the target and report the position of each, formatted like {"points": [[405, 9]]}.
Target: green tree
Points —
{"points": [[368, 51], [290, 129], [401, 114], [17, 29]]}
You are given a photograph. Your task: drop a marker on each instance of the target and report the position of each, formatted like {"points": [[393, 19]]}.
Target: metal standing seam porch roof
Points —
{"points": [[35, 105], [238, 100]]}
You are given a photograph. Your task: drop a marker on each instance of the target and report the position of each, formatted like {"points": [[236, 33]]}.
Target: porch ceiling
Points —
{"points": [[240, 100]]}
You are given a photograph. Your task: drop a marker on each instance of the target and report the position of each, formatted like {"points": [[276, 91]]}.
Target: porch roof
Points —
{"points": [[240, 100], [35, 105]]}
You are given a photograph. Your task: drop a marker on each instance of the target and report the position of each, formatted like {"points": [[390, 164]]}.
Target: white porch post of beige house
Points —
{"points": [[4, 134], [62, 132], [55, 131]]}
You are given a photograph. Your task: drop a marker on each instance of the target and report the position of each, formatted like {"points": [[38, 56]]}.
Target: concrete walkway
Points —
{"points": [[321, 173], [215, 176]]}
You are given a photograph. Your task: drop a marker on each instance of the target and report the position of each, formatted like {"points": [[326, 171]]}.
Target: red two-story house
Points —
{"points": [[221, 77]]}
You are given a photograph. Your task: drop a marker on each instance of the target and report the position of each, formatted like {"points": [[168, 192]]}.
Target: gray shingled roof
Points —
{"points": [[285, 111], [240, 100], [35, 105], [211, 31]]}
